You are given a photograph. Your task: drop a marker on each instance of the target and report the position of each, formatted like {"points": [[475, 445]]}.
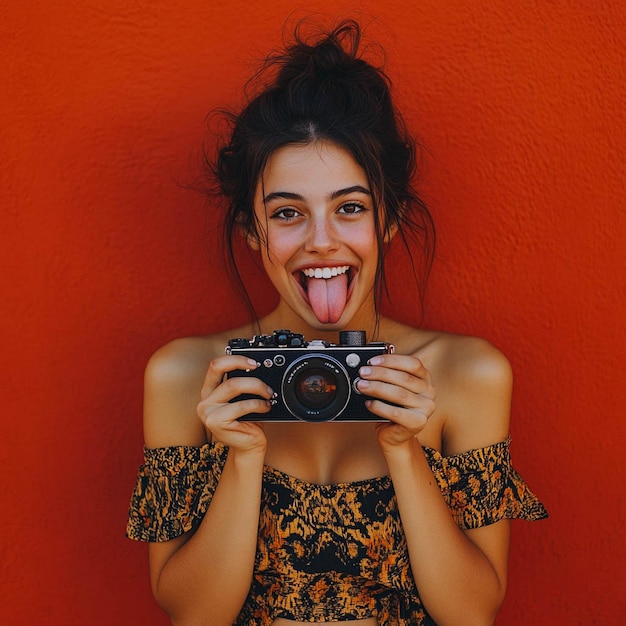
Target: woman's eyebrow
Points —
{"points": [[348, 190], [282, 195], [288, 195]]}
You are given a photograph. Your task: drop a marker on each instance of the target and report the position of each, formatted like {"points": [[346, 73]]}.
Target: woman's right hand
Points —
{"points": [[221, 417]]}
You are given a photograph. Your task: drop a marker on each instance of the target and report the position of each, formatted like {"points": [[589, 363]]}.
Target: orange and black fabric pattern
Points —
{"points": [[327, 552]]}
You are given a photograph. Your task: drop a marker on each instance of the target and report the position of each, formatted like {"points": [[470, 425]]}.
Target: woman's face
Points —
{"points": [[315, 215]]}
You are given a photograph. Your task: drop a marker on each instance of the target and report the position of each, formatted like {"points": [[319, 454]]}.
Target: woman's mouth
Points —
{"points": [[327, 290]]}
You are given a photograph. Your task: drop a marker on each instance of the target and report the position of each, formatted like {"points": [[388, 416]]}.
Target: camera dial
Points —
{"points": [[352, 338]]}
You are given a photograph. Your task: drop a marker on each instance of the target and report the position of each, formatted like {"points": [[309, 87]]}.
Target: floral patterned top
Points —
{"points": [[327, 552]]}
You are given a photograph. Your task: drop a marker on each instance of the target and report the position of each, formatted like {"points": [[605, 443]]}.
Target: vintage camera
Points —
{"points": [[315, 381]]}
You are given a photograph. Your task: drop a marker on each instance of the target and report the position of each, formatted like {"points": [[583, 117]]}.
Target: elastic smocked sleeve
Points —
{"points": [[173, 490], [481, 487]]}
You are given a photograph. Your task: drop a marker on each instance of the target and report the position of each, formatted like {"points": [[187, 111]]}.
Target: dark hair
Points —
{"points": [[319, 88]]}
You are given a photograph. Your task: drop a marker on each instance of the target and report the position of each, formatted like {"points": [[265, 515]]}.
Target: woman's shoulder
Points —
{"points": [[467, 358], [182, 357], [473, 381], [188, 356], [172, 383], [464, 355], [476, 383]]}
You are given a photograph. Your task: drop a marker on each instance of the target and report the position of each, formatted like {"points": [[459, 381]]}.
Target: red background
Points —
{"points": [[105, 256]]}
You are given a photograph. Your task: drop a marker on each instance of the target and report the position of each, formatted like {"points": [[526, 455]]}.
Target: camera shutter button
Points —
{"points": [[353, 360]]}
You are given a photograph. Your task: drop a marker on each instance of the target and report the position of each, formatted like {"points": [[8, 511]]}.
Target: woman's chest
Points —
{"points": [[327, 453], [333, 452]]}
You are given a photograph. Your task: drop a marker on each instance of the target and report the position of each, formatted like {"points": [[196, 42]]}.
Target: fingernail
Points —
{"points": [[375, 360], [365, 371], [363, 384], [252, 363]]}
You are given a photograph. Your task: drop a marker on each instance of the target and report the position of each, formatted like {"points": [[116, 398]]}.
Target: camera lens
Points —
{"points": [[316, 388]]}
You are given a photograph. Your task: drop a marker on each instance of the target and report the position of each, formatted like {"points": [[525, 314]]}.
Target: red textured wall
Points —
{"points": [[105, 257]]}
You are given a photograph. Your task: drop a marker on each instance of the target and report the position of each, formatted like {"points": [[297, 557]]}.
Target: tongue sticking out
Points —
{"points": [[328, 297]]}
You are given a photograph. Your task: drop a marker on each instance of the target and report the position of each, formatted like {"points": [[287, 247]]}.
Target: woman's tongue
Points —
{"points": [[328, 297]]}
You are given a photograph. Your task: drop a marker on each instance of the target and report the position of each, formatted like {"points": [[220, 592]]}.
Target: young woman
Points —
{"points": [[377, 523]]}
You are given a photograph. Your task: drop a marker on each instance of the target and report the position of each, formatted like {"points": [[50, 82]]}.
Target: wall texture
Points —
{"points": [[106, 255]]}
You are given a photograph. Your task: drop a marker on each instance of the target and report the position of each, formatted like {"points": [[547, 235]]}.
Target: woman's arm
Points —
{"points": [[203, 578], [461, 575]]}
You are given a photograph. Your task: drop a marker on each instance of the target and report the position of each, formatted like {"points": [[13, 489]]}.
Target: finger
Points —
{"points": [[401, 362], [402, 379], [230, 388], [217, 417], [413, 420], [394, 394], [220, 366]]}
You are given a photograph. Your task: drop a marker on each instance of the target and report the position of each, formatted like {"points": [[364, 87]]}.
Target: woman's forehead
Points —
{"points": [[317, 168]]}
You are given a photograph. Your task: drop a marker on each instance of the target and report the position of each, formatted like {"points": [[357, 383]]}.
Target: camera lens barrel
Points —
{"points": [[316, 388]]}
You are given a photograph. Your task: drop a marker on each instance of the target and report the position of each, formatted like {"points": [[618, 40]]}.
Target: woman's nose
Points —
{"points": [[321, 237]]}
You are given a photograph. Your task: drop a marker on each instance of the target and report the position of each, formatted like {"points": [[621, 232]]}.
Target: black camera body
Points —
{"points": [[314, 381]]}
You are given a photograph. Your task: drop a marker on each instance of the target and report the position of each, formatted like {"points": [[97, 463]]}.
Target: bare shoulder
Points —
{"points": [[173, 380], [182, 359], [464, 357], [473, 381], [472, 361]]}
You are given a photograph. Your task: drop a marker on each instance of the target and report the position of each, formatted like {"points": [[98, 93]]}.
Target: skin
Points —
{"points": [[318, 213]]}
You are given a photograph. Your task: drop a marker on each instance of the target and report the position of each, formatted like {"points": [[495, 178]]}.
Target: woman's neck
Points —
{"points": [[283, 318]]}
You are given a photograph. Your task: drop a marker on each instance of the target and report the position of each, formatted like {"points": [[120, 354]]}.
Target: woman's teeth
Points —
{"points": [[325, 272]]}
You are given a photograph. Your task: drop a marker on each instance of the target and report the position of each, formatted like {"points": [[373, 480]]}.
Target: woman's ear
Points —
{"points": [[390, 232], [252, 240]]}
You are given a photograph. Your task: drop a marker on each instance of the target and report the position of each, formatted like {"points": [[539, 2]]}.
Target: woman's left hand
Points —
{"points": [[401, 392]]}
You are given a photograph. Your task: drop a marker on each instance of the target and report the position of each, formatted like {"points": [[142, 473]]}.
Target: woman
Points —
{"points": [[377, 523]]}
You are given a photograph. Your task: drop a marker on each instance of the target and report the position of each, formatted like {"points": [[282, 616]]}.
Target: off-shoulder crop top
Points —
{"points": [[327, 552]]}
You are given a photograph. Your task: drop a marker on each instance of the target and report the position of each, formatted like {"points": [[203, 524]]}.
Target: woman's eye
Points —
{"points": [[285, 214], [352, 208]]}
